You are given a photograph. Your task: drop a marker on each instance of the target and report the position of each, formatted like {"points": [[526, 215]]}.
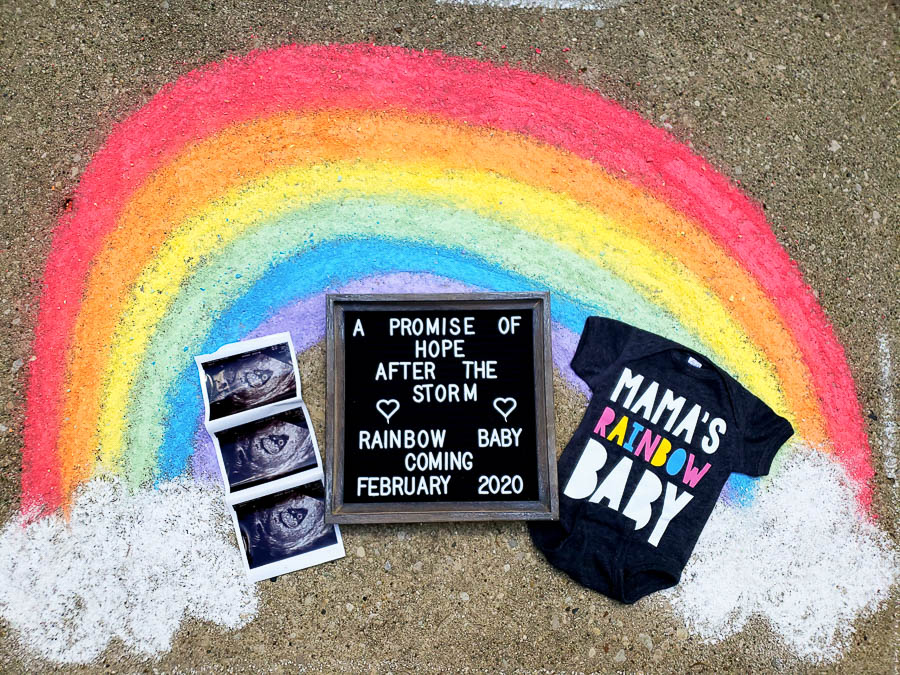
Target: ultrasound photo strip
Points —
{"points": [[285, 532], [270, 453], [244, 378], [268, 456]]}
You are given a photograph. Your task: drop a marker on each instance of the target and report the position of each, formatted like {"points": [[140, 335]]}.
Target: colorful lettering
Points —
{"points": [[647, 445], [659, 457], [636, 428], [619, 431], [676, 461], [607, 416], [691, 475]]}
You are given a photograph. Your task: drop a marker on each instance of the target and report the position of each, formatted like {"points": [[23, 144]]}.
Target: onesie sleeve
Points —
{"points": [[602, 342], [764, 433]]}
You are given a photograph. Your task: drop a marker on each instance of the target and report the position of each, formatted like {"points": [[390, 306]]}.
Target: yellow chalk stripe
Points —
{"points": [[554, 217]]}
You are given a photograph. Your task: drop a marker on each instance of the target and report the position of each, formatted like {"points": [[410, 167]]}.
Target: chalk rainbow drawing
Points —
{"points": [[253, 183], [230, 202]]}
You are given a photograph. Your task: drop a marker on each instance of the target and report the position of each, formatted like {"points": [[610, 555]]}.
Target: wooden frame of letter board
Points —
{"points": [[546, 507]]}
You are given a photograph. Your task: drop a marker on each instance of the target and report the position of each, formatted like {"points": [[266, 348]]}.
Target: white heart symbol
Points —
{"points": [[387, 407], [505, 406]]}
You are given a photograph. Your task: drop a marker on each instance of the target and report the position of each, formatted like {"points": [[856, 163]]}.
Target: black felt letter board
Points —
{"points": [[440, 407]]}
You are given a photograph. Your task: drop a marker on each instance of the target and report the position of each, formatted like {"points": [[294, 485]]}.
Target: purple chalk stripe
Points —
{"points": [[305, 320]]}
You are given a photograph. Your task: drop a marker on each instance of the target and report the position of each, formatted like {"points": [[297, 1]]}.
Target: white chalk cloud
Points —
{"points": [[802, 556], [127, 565], [134, 565]]}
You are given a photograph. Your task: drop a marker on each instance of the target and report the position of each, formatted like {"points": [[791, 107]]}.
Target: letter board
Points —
{"points": [[440, 407]]}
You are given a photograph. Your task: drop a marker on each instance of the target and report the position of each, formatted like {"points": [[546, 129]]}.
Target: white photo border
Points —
{"points": [[294, 563]]}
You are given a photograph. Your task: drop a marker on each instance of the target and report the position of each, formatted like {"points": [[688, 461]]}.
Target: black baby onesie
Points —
{"points": [[664, 429]]}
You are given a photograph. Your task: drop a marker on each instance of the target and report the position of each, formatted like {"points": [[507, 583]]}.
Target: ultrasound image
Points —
{"points": [[285, 524], [249, 380], [267, 449]]}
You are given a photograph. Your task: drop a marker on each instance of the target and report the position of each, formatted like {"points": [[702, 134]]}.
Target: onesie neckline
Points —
{"points": [[681, 360]]}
